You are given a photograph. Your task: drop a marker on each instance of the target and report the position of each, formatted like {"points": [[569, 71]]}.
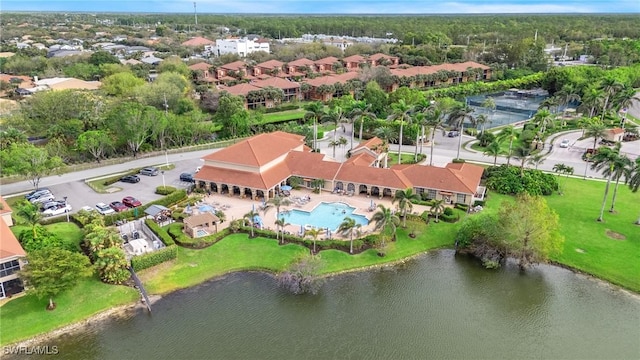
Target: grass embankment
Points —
{"points": [[590, 246], [26, 316], [406, 158], [282, 116], [237, 252], [69, 232]]}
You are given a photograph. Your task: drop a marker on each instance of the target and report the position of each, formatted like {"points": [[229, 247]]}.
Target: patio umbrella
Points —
{"points": [[285, 188], [372, 203], [253, 207], [301, 230]]}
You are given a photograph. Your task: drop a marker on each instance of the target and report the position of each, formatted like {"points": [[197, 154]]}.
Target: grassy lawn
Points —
{"points": [[283, 116], [26, 316], [587, 246], [406, 158], [68, 231], [237, 252]]}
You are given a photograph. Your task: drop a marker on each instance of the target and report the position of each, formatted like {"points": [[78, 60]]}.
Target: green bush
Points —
{"points": [[456, 161], [448, 211], [321, 244], [461, 206], [165, 190], [164, 237], [450, 218], [478, 202], [154, 258], [507, 180], [320, 134]]}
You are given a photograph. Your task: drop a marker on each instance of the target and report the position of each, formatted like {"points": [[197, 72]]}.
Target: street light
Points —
{"points": [[163, 185], [65, 208], [166, 157]]}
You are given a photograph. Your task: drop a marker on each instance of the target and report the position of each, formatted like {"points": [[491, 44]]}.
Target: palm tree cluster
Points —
{"points": [[614, 166]]}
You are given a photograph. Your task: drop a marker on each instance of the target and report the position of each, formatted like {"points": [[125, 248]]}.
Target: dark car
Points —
{"points": [[130, 179], [149, 171], [187, 177], [117, 206], [37, 193], [453, 133], [131, 202]]}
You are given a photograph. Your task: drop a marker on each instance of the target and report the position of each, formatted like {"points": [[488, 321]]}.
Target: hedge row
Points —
{"points": [[164, 237], [154, 258], [167, 201], [165, 190], [175, 232]]}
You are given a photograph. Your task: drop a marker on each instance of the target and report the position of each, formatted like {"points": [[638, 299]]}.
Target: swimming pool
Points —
{"points": [[201, 233], [324, 215]]}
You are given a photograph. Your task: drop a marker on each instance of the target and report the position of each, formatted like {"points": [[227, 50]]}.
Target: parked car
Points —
{"points": [[104, 209], [57, 210], [149, 171], [130, 179], [453, 133], [131, 202], [118, 206], [37, 193], [187, 177], [87, 208], [564, 143], [52, 204], [42, 198]]}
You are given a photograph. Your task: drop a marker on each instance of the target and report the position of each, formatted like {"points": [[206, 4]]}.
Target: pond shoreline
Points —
{"points": [[128, 309]]}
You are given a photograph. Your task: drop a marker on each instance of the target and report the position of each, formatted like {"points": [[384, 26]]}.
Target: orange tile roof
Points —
{"points": [[271, 64], [200, 219], [362, 159], [469, 174], [9, 246], [300, 62], [311, 165], [460, 178], [236, 65], [379, 56], [354, 58], [615, 131], [328, 60], [240, 89], [369, 144], [258, 150], [276, 82], [200, 66], [388, 178], [197, 41], [6, 209], [263, 181], [332, 79]]}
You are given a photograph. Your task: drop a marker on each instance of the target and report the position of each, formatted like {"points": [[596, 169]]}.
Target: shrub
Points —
{"points": [[478, 202], [164, 237], [507, 180], [456, 161], [461, 206], [320, 134], [165, 190], [448, 211], [154, 258]]}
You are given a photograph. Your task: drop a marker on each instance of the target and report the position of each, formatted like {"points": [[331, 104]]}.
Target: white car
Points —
{"points": [[564, 143], [104, 209], [58, 210]]}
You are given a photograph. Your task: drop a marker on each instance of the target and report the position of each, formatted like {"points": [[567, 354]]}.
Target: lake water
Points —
{"points": [[439, 306]]}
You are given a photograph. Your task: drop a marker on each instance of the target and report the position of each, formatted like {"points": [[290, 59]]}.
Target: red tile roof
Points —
{"points": [[386, 178], [459, 178], [301, 62], [369, 144], [354, 58], [258, 150], [264, 180], [362, 159], [6, 209], [300, 165], [615, 131], [332, 79], [327, 61], [200, 66], [271, 64], [235, 66], [276, 82], [197, 41], [9, 246], [240, 89], [379, 56]]}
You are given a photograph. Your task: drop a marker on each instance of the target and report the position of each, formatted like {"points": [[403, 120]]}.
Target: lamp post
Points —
{"points": [[166, 157], [163, 185], [65, 208]]}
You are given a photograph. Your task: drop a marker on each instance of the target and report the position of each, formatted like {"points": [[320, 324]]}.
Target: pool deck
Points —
{"points": [[237, 207]]}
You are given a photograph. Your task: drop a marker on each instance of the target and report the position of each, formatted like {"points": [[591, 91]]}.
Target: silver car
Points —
{"points": [[149, 171], [564, 143]]}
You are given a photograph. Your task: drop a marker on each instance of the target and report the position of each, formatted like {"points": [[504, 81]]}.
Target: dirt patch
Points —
{"points": [[581, 251], [615, 235]]}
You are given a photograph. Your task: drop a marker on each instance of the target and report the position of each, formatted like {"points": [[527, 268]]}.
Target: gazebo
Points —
{"points": [[201, 224], [159, 214]]}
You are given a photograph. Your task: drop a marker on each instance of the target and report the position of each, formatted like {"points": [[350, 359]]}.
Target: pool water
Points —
{"points": [[201, 233], [324, 215]]}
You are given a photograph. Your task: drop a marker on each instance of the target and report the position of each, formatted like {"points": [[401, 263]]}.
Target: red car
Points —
{"points": [[117, 206], [131, 202]]}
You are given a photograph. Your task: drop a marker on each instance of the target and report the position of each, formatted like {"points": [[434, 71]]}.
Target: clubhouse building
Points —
{"points": [[258, 168]]}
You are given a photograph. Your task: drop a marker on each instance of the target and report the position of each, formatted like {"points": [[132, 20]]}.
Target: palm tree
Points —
{"points": [[386, 134], [250, 216], [481, 120], [401, 112], [622, 167], [536, 160], [315, 111], [568, 94], [596, 129], [343, 142], [490, 104], [279, 202], [437, 208], [347, 228], [610, 87], [29, 214], [280, 225], [562, 169], [334, 144], [404, 198], [522, 153], [385, 218], [508, 133], [605, 159], [457, 118], [494, 150], [634, 180], [435, 119], [314, 233], [334, 116], [543, 118], [420, 119], [592, 98], [359, 112]]}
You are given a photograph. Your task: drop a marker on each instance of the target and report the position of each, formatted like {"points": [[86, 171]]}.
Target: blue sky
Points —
{"points": [[329, 6]]}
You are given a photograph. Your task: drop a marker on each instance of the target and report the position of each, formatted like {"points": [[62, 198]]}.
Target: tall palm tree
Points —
{"points": [[359, 112], [622, 167], [457, 118], [29, 214], [386, 134], [543, 118], [437, 208], [510, 134], [625, 99], [568, 94], [604, 159], [279, 202], [596, 129], [536, 160], [404, 198], [490, 104], [634, 180], [482, 120], [385, 219], [562, 169], [334, 116], [401, 112], [347, 228], [420, 119], [494, 150], [250, 217], [522, 153], [280, 225], [315, 111], [435, 119], [343, 142], [610, 87], [313, 233], [592, 98]]}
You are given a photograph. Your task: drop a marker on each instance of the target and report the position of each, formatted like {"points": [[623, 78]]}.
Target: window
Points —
{"points": [[461, 198], [9, 268], [431, 194]]}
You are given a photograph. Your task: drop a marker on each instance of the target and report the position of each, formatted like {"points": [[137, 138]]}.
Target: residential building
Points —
{"points": [[11, 255], [326, 64], [354, 62], [299, 67], [383, 59], [271, 68], [614, 135], [232, 71], [257, 167], [203, 67], [241, 47]]}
